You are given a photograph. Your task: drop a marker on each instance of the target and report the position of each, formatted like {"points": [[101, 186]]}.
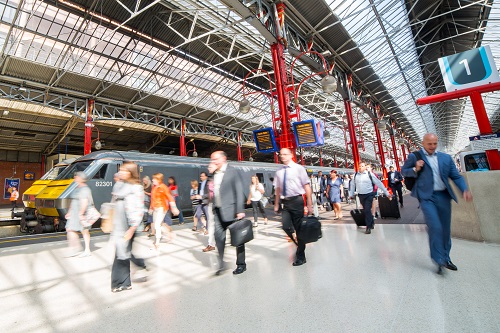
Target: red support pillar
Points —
{"points": [[238, 148], [403, 149], [483, 123], [352, 134], [335, 163], [87, 139], [320, 157], [42, 169], [182, 141], [381, 154], [285, 134], [395, 151]]}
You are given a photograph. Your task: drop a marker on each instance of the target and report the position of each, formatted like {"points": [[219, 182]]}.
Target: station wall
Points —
{"points": [[24, 171]]}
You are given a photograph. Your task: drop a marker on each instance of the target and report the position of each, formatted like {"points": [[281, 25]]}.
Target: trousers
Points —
{"points": [[437, 215], [366, 201], [220, 240], [292, 215]]}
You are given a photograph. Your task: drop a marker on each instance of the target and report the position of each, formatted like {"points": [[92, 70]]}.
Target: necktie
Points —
{"points": [[284, 183]]}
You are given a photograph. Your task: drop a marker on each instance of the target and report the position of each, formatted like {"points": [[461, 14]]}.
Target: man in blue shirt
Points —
{"points": [[433, 191]]}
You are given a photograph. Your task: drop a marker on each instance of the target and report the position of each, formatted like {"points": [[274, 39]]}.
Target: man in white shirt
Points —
{"points": [[291, 183]]}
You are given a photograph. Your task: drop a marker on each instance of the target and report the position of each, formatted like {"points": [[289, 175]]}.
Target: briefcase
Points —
{"points": [[241, 232], [309, 230]]}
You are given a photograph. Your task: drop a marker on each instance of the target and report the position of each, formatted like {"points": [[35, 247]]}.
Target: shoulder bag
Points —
{"points": [[91, 215], [241, 232], [411, 181]]}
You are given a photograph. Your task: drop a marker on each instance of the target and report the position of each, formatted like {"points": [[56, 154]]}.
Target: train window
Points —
{"points": [[70, 171], [476, 162], [101, 173]]}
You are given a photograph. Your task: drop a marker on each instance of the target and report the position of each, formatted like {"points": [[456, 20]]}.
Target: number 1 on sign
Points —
{"points": [[466, 64]]}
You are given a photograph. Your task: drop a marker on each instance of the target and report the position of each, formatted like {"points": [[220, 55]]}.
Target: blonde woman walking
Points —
{"points": [[255, 197]]}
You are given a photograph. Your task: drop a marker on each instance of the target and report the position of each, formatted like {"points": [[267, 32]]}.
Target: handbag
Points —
{"points": [[91, 217], [241, 232], [309, 229], [107, 212], [264, 201]]}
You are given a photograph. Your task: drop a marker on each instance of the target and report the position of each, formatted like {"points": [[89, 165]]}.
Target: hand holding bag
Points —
{"points": [[107, 212], [264, 201], [241, 232], [91, 216]]}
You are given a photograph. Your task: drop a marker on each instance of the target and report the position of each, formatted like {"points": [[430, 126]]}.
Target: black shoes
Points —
{"points": [[299, 262], [239, 270], [368, 230], [440, 270], [451, 266]]}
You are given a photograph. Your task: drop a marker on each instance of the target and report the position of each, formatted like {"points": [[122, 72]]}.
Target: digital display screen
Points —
{"points": [[306, 133], [265, 140]]}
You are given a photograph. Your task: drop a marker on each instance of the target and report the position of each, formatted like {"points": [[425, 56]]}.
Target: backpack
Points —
{"points": [[411, 181]]}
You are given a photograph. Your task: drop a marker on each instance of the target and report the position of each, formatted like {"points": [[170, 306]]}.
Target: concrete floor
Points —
{"points": [[352, 282]]}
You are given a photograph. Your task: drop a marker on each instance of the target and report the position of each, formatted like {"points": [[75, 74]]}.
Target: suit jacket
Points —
{"points": [[205, 198], [232, 195], [398, 177], [424, 186]]}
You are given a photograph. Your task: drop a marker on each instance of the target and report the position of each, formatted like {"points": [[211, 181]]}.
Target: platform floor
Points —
{"points": [[352, 282]]}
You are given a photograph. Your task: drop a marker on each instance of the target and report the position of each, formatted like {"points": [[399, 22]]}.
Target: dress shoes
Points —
{"points": [[239, 270], [299, 262], [368, 230], [451, 266], [209, 248], [440, 270], [219, 271]]}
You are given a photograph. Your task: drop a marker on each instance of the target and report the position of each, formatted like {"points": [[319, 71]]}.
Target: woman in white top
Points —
{"points": [[254, 197]]}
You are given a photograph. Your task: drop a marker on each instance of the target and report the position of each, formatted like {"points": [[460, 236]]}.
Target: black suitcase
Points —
{"points": [[388, 208], [309, 230], [359, 217], [241, 232]]}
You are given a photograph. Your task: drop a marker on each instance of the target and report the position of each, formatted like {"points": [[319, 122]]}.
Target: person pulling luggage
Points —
{"points": [[362, 185]]}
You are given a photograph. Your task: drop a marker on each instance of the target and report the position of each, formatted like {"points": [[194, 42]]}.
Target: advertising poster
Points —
{"points": [[8, 185]]}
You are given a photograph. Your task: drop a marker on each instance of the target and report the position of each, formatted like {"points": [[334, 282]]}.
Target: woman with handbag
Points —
{"points": [[128, 196], [333, 193], [255, 197], [81, 199]]}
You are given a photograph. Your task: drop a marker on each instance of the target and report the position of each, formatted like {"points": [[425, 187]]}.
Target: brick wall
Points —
{"points": [[7, 170]]}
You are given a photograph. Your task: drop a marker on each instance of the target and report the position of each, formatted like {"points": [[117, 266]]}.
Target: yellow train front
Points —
{"points": [[28, 215]]}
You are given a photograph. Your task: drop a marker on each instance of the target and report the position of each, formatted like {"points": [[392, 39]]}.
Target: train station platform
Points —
{"points": [[352, 282]]}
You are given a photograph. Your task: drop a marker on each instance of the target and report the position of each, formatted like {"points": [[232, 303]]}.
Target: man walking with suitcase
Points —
{"points": [[395, 183], [290, 183], [362, 185]]}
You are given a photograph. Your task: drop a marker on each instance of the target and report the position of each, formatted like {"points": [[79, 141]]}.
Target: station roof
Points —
{"points": [[148, 64]]}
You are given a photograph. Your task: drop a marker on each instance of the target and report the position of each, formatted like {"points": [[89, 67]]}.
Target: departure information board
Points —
{"points": [[308, 133], [265, 140]]}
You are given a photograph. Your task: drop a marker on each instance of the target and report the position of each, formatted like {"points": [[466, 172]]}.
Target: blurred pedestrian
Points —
{"points": [[229, 205], [333, 192], [210, 221], [195, 197], [148, 187], [128, 196], [174, 190], [161, 201], [14, 195], [291, 183], [396, 184], [254, 197], [81, 198]]}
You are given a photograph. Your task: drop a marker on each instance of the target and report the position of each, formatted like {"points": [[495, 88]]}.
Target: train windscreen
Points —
{"points": [[70, 171], [476, 162], [54, 172]]}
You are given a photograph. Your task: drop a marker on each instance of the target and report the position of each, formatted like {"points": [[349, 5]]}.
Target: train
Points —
{"points": [[52, 202]]}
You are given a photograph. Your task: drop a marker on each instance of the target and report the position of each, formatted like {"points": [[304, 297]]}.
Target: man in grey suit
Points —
{"points": [[228, 206]]}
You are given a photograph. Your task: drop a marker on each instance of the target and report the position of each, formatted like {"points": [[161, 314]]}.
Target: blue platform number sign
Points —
{"points": [[308, 133], [265, 141], [469, 69]]}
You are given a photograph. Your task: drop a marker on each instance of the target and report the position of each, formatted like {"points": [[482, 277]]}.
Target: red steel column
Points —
{"points": [[381, 154], [87, 139], [480, 112], [238, 147], [352, 134], [395, 151], [320, 157], [182, 141], [285, 134], [403, 149], [42, 169]]}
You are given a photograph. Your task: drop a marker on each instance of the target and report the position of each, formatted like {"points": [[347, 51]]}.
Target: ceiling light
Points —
{"points": [[244, 106], [328, 84], [120, 129], [5, 112], [381, 124], [195, 154]]}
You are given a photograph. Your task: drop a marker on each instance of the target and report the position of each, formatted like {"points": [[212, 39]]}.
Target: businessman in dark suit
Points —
{"points": [[395, 183], [228, 206], [434, 192]]}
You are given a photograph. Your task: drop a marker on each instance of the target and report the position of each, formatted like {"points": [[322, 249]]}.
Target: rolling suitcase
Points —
{"points": [[388, 208], [358, 215], [309, 230]]}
